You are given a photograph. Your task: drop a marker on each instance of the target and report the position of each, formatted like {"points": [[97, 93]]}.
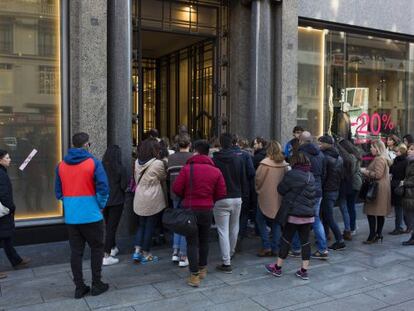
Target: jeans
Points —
{"points": [[262, 221], [347, 206], [112, 216], [197, 245], [179, 242], [91, 233], [227, 217], [317, 229], [327, 205], [401, 215], [10, 251], [146, 227], [290, 230]]}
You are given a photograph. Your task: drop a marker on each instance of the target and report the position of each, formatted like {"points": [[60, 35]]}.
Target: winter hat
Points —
{"points": [[327, 139]]}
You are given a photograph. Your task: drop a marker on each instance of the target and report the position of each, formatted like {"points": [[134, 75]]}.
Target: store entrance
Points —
{"points": [[176, 77]]}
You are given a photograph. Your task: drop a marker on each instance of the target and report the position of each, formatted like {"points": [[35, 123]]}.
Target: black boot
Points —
{"points": [[81, 291], [99, 288]]}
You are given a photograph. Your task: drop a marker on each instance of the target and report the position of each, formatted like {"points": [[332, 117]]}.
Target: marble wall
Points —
{"points": [[88, 71]]}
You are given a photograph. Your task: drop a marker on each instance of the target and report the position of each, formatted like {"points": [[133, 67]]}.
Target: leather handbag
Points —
{"points": [[369, 190], [181, 220]]}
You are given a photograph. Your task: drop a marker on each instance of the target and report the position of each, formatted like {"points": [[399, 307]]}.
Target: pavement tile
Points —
{"points": [[406, 250], [334, 270], [406, 306], [285, 298], [389, 272], [180, 287], [385, 258], [223, 294], [123, 297], [244, 304], [15, 275], [52, 269], [396, 293], [360, 302], [191, 301], [19, 299], [72, 305]]}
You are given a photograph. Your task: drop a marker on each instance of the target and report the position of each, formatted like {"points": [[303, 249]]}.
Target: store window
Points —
{"points": [[354, 86], [30, 102]]}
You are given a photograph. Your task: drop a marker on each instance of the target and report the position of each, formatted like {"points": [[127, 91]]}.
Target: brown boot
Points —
{"points": [[202, 272], [194, 280], [347, 235], [3, 275], [265, 253]]}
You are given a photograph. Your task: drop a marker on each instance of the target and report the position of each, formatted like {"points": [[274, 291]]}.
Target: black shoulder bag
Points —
{"points": [[181, 220]]}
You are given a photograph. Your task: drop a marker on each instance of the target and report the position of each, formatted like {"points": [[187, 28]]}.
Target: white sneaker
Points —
{"points": [[353, 232], [183, 263], [108, 261], [175, 258], [114, 251]]}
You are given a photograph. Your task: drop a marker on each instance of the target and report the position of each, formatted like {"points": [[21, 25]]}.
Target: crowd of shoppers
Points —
{"points": [[283, 192]]}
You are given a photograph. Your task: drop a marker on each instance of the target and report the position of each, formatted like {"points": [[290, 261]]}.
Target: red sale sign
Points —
{"points": [[366, 124]]}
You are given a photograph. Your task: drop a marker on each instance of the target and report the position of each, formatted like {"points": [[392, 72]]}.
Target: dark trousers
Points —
{"points": [[409, 214], [10, 251], [376, 223], [91, 233], [146, 227], [197, 245], [244, 218], [400, 215], [288, 232], [112, 216], [328, 220]]}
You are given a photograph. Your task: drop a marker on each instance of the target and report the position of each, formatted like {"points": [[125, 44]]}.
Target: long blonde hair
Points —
{"points": [[274, 152], [382, 150]]}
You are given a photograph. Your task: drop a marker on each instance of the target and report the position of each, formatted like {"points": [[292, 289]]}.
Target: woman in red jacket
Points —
{"points": [[199, 184]]}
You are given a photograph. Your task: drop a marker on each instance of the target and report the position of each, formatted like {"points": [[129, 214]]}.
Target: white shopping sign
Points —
{"points": [[28, 159]]}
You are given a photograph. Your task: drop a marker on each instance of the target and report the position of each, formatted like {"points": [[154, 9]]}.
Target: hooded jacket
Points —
{"points": [[233, 169], [247, 160], [318, 165], [6, 198], [334, 170], [206, 186], [81, 183]]}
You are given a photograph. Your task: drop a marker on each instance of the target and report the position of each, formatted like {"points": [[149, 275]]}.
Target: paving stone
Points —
{"points": [[245, 304], [406, 306], [191, 301], [334, 270], [342, 284], [406, 251], [124, 296], [389, 272], [19, 299], [360, 302], [396, 293], [52, 269], [72, 305], [223, 294], [387, 257], [284, 298], [143, 279], [17, 275], [176, 288]]}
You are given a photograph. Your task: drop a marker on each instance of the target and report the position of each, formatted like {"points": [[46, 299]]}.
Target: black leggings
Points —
{"points": [[376, 223], [288, 232]]}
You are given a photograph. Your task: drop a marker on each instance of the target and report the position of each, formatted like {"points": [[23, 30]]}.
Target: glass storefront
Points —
{"points": [[354, 86], [30, 102]]}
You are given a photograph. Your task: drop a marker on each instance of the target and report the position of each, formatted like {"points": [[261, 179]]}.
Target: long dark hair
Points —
{"points": [[148, 149], [112, 161]]}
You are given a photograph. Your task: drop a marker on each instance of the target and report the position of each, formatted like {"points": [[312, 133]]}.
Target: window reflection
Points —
{"points": [[30, 101]]}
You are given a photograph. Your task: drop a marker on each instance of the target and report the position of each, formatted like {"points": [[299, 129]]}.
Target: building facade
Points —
{"points": [[116, 68]]}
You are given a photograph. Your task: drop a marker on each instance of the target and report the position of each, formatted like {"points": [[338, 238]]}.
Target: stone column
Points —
{"points": [[261, 111], [119, 77], [88, 71], [286, 68]]}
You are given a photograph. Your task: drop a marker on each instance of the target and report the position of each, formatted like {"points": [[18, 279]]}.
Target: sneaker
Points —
{"points": [[137, 257], [271, 268], [353, 232], [109, 261], [81, 291], [396, 232], [183, 263], [149, 258], [175, 258], [114, 251], [193, 280], [202, 272], [23, 264], [224, 268], [99, 288], [302, 274], [337, 246], [320, 255], [295, 254]]}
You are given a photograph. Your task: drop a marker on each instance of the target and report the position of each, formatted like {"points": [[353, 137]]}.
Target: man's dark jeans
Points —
{"points": [[93, 234], [10, 251], [197, 245], [327, 206]]}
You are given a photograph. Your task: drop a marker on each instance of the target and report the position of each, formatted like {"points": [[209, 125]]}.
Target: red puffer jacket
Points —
{"points": [[208, 184]]}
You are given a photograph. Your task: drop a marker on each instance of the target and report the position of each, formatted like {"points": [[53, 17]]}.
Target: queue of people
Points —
{"points": [[284, 192]]}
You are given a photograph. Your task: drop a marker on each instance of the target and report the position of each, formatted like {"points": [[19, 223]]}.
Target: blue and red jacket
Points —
{"points": [[81, 183]]}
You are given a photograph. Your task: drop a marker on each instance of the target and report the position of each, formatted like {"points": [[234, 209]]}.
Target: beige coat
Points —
{"points": [[379, 170], [268, 176], [149, 196]]}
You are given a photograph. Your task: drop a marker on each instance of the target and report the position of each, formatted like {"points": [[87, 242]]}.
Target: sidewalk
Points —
{"points": [[362, 277]]}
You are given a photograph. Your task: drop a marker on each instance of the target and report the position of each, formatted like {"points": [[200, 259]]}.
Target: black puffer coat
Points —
{"points": [[298, 190], [407, 201], [6, 198], [397, 169], [334, 170], [318, 164]]}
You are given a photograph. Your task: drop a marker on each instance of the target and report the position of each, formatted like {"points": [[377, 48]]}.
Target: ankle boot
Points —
{"points": [[194, 280], [202, 272], [347, 235]]}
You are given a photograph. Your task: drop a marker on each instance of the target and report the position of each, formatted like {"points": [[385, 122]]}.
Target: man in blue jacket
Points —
{"points": [[81, 183]]}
